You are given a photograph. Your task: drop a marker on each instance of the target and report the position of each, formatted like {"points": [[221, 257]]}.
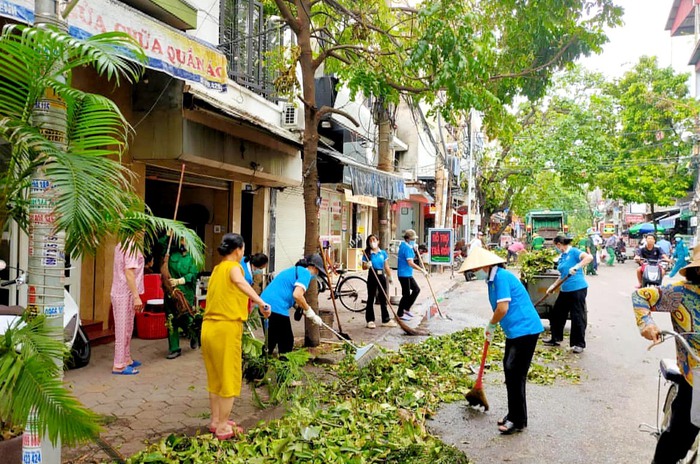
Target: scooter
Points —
{"points": [[73, 334], [651, 273], [620, 255]]}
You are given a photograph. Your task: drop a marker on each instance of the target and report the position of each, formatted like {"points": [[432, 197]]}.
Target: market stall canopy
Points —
{"points": [[645, 228]]}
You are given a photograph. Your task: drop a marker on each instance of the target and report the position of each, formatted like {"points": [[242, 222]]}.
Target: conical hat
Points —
{"points": [[479, 257], [694, 263]]}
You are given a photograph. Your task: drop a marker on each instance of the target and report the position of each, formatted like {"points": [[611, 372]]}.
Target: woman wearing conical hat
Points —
{"points": [[514, 311], [682, 301]]}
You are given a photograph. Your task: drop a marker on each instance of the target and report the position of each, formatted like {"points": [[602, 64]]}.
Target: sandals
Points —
{"points": [[128, 370], [135, 363], [237, 430], [503, 421], [509, 428]]}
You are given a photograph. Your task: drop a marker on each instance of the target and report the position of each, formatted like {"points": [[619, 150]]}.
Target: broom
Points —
{"points": [[476, 396], [330, 287], [402, 324], [181, 304], [432, 292], [363, 355]]}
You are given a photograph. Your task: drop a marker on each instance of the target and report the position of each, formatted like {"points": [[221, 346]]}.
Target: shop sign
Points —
{"points": [[440, 245], [633, 218], [168, 50], [360, 199]]}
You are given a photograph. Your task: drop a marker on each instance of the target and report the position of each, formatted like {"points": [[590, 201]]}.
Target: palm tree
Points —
{"points": [[76, 152], [31, 379]]}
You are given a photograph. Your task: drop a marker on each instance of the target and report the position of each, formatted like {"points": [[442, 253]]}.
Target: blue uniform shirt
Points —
{"points": [[246, 271], [568, 260], [378, 259], [522, 318], [279, 294], [406, 252]]}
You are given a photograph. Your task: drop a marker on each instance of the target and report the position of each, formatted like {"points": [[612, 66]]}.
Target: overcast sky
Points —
{"points": [[642, 34]]}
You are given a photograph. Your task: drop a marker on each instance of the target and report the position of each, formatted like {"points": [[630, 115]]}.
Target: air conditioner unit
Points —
{"points": [[290, 116]]}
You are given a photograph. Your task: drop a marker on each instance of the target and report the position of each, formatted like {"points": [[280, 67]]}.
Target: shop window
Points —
{"points": [[245, 38]]}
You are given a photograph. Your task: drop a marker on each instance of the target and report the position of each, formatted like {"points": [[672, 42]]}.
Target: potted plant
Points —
{"points": [[31, 382]]}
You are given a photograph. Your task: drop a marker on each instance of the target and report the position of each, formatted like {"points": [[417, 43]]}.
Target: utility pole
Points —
{"points": [[385, 163], [470, 182], [46, 247], [440, 180]]}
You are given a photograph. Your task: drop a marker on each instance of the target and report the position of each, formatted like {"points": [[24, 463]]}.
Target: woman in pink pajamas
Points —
{"points": [[127, 285]]}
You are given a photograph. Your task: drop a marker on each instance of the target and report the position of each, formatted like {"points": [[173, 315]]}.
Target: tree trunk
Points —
{"points": [[497, 236], [46, 246], [312, 187], [653, 216], [386, 164]]}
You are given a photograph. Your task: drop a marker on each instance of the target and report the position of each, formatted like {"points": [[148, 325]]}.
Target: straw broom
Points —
{"points": [[181, 304]]}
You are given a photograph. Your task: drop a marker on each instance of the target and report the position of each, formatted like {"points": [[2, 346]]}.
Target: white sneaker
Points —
{"points": [[405, 317], [371, 325], [391, 323], [577, 350], [408, 313]]}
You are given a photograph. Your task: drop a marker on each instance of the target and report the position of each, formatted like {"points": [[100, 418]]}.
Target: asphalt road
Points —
{"points": [[595, 421]]}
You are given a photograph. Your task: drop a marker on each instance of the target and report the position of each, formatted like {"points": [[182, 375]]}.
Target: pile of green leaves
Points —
{"points": [[374, 414], [536, 262]]}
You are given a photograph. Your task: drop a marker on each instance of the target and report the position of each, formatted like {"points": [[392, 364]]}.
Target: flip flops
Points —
{"points": [[135, 363], [128, 370], [237, 431], [235, 426]]}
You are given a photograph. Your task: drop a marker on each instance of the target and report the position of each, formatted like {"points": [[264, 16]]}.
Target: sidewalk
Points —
{"points": [[169, 396]]}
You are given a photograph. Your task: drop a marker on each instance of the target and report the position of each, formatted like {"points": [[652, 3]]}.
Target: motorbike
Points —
{"points": [[620, 255], [74, 336], [651, 273]]}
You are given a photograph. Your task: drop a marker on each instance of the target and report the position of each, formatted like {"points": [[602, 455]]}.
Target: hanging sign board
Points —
{"points": [[440, 246]]}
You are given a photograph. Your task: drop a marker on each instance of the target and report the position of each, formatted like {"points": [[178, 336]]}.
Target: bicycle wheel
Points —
{"points": [[352, 292]]}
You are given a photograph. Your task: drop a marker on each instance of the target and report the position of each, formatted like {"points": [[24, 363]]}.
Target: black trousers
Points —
{"points": [[409, 293], [677, 439], [516, 364], [574, 303], [372, 290], [279, 334]]}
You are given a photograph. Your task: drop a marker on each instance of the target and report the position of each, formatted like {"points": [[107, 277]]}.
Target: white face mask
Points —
{"points": [[374, 245], [480, 274]]}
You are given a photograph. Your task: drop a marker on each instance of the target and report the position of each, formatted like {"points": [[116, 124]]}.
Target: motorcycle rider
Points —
{"points": [[649, 252]]}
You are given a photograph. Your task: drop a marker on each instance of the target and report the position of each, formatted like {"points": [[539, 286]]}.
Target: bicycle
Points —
{"points": [[350, 290], [669, 370]]}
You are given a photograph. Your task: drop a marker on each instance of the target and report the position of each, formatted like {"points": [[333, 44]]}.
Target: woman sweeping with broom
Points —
{"points": [[519, 320]]}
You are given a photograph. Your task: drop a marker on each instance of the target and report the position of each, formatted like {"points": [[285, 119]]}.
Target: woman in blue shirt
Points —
{"points": [[572, 295], [404, 269], [513, 309], [378, 275], [254, 265]]}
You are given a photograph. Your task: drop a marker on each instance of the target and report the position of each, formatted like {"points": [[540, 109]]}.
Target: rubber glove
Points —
{"points": [[313, 317], [424, 271], [489, 330], [574, 269], [176, 282]]}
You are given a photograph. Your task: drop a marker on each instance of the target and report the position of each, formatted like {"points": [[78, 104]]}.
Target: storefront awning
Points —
{"points": [[364, 180], [419, 196], [669, 222]]}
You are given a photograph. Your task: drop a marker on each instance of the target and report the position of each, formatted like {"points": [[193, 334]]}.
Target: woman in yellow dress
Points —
{"points": [[222, 333]]}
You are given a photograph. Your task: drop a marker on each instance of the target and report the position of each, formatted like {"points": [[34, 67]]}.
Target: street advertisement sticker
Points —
{"points": [[169, 50], [440, 245]]}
